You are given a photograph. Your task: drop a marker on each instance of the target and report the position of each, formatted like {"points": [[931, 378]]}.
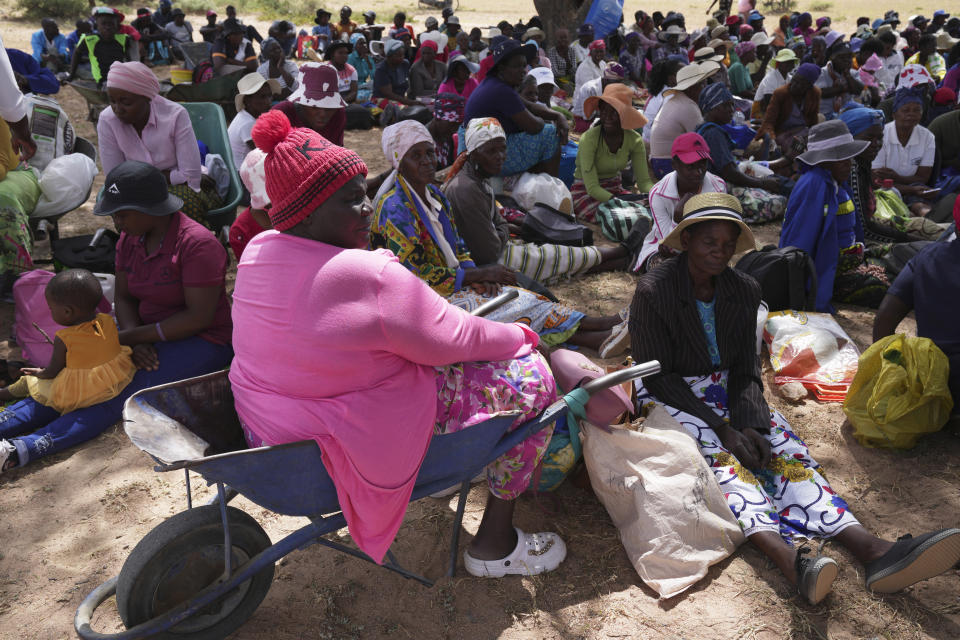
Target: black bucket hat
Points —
{"points": [[333, 46], [136, 186], [502, 47]]}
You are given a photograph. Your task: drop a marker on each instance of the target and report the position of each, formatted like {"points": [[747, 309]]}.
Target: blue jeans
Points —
{"points": [[37, 431]]}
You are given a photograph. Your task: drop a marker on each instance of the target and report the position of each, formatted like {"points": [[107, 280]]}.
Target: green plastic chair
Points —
{"points": [[210, 126]]}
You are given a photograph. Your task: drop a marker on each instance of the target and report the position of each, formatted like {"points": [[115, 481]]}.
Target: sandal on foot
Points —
{"points": [[815, 576], [912, 559], [535, 553], [617, 342]]}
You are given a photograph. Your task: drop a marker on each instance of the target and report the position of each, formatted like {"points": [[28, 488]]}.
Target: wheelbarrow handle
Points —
{"points": [[621, 376], [495, 303]]}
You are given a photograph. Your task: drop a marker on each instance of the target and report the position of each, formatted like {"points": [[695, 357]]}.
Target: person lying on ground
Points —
{"points": [[697, 317]]}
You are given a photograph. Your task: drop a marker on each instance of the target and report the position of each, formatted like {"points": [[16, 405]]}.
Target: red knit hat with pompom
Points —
{"points": [[302, 168]]}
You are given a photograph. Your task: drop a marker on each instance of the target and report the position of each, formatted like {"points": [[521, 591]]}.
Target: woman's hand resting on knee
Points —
{"points": [[749, 446]]}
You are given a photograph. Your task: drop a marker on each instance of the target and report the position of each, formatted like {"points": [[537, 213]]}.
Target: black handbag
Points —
{"points": [[96, 252], [545, 225]]}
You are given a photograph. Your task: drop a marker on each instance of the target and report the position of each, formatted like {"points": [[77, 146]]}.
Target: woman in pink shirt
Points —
{"points": [[372, 362], [459, 76], [141, 125]]}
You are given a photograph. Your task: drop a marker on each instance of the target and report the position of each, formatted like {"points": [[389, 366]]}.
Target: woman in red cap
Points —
{"points": [[373, 362]]}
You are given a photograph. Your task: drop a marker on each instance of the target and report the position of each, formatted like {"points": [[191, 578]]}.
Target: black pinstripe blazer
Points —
{"points": [[665, 325]]}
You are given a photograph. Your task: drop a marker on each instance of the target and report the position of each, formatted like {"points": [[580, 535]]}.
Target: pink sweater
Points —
{"points": [[339, 346]]}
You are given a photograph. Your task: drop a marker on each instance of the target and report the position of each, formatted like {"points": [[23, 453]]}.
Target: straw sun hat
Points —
{"points": [[620, 97], [705, 207]]}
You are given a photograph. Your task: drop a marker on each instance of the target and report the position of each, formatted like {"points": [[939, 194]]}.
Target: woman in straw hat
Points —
{"points": [[606, 149], [678, 115], [697, 316], [821, 219], [373, 362]]}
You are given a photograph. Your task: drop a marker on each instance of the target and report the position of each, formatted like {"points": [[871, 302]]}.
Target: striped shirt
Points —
{"points": [[665, 325]]}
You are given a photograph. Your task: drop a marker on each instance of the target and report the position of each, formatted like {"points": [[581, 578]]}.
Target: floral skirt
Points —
{"points": [[18, 197], [472, 392], [758, 205], [196, 204], [790, 495], [524, 150]]}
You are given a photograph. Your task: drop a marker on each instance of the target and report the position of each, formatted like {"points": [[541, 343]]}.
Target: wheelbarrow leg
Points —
{"points": [[457, 523]]}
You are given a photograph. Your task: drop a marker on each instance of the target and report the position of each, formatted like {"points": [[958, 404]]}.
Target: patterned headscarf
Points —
{"points": [[713, 95], [134, 77], [398, 138], [254, 177], [480, 131], [911, 76], [449, 107], [597, 44]]}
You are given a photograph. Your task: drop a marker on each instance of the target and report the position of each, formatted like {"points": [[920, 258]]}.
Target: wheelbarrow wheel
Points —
{"points": [[182, 556]]}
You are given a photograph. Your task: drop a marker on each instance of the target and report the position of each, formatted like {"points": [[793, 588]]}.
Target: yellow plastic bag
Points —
{"points": [[899, 393]]}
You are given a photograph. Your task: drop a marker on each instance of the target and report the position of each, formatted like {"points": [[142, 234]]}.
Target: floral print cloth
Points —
{"points": [[790, 495], [472, 392]]}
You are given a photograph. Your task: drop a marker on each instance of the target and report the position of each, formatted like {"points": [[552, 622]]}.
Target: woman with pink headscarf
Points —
{"points": [[141, 125]]}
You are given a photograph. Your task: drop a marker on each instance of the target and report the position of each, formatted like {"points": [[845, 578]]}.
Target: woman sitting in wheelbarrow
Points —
{"points": [[697, 316], [142, 125], [346, 347]]}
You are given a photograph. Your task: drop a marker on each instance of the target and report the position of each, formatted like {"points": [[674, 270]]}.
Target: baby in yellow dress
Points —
{"points": [[88, 364]]}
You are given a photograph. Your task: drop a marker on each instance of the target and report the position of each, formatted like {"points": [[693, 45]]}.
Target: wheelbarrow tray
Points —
{"points": [[192, 424]]}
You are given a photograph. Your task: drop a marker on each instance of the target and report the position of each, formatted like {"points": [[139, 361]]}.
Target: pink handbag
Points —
{"points": [[571, 368]]}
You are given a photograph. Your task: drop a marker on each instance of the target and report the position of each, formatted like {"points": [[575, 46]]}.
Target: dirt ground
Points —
{"points": [[68, 523]]}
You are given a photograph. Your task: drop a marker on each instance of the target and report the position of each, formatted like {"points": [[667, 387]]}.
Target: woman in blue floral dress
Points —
{"points": [[697, 317]]}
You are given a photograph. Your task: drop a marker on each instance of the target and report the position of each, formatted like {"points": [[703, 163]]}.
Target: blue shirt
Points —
{"points": [[493, 98], [397, 77], [821, 220], [72, 39], [38, 41], [708, 320], [721, 146], [40, 78], [928, 285]]}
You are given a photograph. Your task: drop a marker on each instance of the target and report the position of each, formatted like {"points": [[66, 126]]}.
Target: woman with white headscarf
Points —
{"points": [[413, 220], [487, 233], [141, 125]]}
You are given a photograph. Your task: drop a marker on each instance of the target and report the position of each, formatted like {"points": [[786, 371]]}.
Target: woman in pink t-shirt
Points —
{"points": [[459, 79], [372, 362]]}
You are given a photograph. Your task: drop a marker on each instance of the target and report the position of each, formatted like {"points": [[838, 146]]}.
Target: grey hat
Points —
{"points": [[831, 142]]}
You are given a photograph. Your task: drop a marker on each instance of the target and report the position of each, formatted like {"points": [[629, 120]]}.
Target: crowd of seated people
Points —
{"points": [[850, 140]]}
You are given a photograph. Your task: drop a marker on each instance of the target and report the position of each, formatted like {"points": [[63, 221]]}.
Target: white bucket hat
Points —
{"points": [[249, 85]]}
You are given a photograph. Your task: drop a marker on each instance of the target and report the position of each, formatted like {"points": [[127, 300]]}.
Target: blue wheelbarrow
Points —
{"points": [[203, 572]]}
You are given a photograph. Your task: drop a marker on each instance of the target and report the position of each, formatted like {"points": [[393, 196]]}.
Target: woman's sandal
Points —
{"points": [[815, 576], [535, 553], [911, 560]]}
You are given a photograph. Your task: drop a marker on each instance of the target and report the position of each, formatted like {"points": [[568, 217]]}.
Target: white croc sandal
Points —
{"points": [[535, 553]]}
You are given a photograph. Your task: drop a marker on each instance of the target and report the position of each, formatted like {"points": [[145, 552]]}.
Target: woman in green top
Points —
{"points": [[605, 151]]}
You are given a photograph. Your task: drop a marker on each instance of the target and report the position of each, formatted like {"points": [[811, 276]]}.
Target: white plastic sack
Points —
{"points": [[673, 519], [65, 184], [755, 169], [532, 188]]}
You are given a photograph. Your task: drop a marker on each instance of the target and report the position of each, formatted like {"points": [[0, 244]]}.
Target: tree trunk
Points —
{"points": [[562, 13]]}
